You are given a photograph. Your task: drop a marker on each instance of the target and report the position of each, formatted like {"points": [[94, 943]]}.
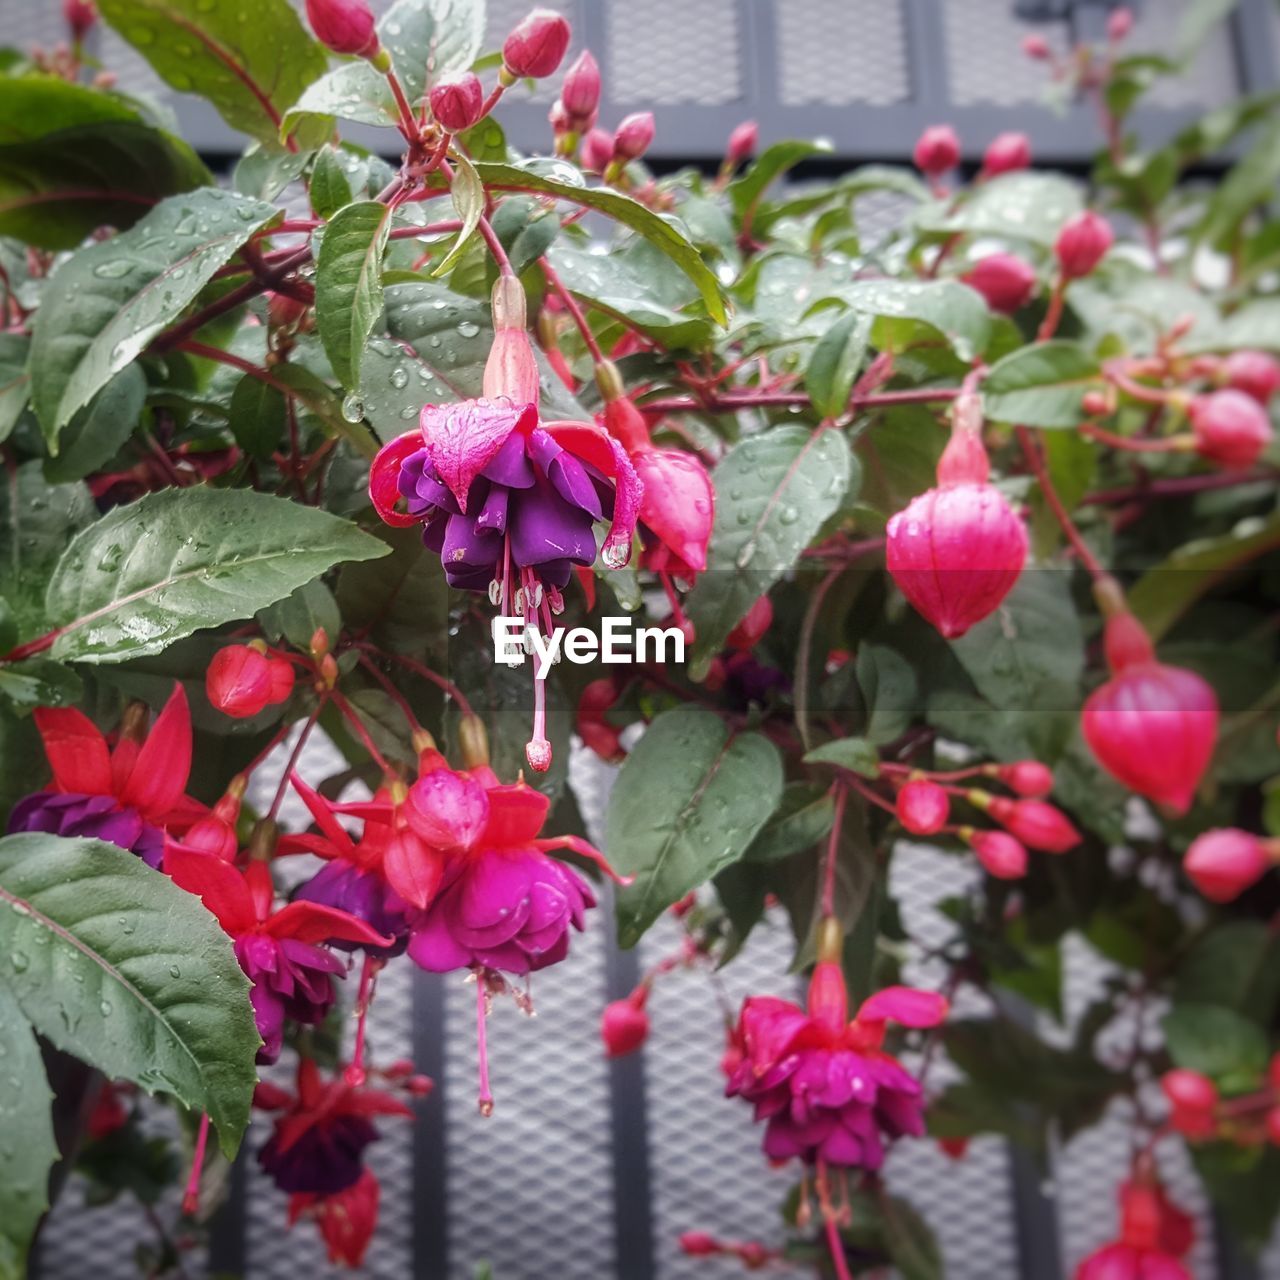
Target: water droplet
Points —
{"points": [[353, 408], [18, 962], [112, 269], [104, 1008], [174, 971], [468, 329], [399, 377]]}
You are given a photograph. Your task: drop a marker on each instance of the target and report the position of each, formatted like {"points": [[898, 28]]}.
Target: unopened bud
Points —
{"points": [[1082, 243], [937, 150], [742, 143], [345, 26], [581, 91], [537, 46], [1006, 153], [80, 16], [457, 101], [634, 136], [1119, 24]]}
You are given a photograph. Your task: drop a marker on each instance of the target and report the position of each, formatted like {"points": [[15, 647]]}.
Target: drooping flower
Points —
{"points": [[129, 794], [280, 951], [624, 1024], [318, 1142], [1154, 1236], [823, 1085], [346, 1219], [1223, 863], [1151, 726]]}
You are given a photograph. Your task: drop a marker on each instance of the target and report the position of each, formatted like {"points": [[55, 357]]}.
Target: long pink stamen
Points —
{"points": [[191, 1196], [485, 1100], [355, 1074]]}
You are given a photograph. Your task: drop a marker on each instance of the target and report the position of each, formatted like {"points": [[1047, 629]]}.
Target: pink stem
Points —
{"points": [[191, 1197], [355, 1073], [482, 1045]]}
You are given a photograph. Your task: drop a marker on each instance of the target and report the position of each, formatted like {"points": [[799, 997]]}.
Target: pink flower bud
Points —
{"points": [[1027, 777], [742, 143], [1004, 280], [1151, 726], [242, 680], [581, 92], [923, 807], [79, 15], [1189, 1089], [1038, 825], [457, 101], [282, 310], [1230, 428], [558, 118], [754, 626], [1037, 47], [597, 150], [345, 26], [634, 136], [1119, 24], [1225, 862], [1255, 373], [537, 46], [1000, 854], [1082, 243], [937, 150], [1006, 153], [697, 1244], [678, 505], [1097, 404], [955, 553], [624, 1024]]}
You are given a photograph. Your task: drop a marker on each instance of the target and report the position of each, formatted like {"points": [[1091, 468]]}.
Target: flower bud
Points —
{"points": [[1193, 1098], [242, 680], [1273, 1126], [678, 505], [754, 626], [1096, 404], [1004, 280], [597, 150], [955, 553], [742, 143], [457, 101], [1119, 24], [1027, 777], [634, 136], [697, 1244], [1255, 373], [923, 807], [511, 368], [1037, 824], [1082, 243], [345, 26], [624, 1024], [283, 311], [1225, 862], [1006, 153], [595, 731], [581, 92], [536, 47], [954, 1148], [80, 16], [1037, 47], [1230, 428], [999, 853], [937, 150]]}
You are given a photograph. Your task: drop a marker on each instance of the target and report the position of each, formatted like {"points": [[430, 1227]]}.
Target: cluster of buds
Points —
{"points": [[937, 152], [1246, 1117]]}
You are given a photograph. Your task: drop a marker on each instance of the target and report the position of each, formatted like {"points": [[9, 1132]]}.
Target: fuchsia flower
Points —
{"points": [[536, 47], [129, 794], [624, 1024], [1194, 1099], [1154, 1236], [1230, 428], [346, 1219], [280, 951], [1151, 726], [316, 1146], [825, 1088], [923, 807], [956, 551], [80, 16]]}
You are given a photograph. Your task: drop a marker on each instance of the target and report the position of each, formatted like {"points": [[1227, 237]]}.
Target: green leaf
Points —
{"points": [[776, 490], [686, 804], [181, 560], [903, 307], [400, 600], [257, 416], [1256, 324], [37, 682], [1014, 206], [803, 817], [29, 1150], [467, 194], [770, 165], [1216, 1041], [1251, 182], [297, 617], [835, 362], [855, 754], [115, 964], [889, 691], [105, 304], [1235, 964], [73, 159], [251, 64], [98, 431], [329, 189], [15, 383], [349, 284], [1041, 385]]}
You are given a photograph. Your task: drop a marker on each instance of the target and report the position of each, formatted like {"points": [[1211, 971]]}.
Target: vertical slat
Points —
{"points": [[927, 54], [1253, 35], [227, 1229], [1035, 1218], [430, 1187]]}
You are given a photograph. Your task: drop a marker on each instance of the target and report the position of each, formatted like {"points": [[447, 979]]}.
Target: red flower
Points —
{"points": [[624, 1024], [347, 1219], [243, 679]]}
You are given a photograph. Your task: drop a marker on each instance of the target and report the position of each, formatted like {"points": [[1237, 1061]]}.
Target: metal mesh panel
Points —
{"points": [[669, 51], [985, 62], [1212, 77], [837, 52]]}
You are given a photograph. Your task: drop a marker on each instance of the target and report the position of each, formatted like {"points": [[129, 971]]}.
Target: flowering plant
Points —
{"points": [[967, 526]]}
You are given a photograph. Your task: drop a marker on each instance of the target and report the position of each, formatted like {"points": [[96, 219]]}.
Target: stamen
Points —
{"points": [[191, 1196], [355, 1074], [485, 1100]]}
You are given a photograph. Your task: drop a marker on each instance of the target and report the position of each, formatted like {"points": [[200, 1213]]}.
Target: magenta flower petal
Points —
{"points": [[463, 438]]}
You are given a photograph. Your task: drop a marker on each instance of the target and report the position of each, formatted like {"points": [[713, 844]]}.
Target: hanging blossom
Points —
{"points": [[508, 501], [1155, 1234], [128, 794], [345, 1219]]}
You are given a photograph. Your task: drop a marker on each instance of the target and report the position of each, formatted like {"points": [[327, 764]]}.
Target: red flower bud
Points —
{"points": [[1189, 1090], [597, 150], [634, 136], [1006, 153], [697, 1244], [345, 26], [1096, 404], [999, 853], [1255, 373], [419, 1086], [937, 150], [754, 626], [678, 505], [242, 680], [537, 46], [595, 731], [954, 1148], [1119, 24], [1082, 243], [955, 553], [457, 101], [1037, 47], [581, 92], [923, 807], [1225, 862], [1151, 726], [1230, 428], [624, 1024], [742, 143], [1038, 825], [1027, 777], [1004, 280], [1140, 1215], [282, 310], [80, 15]]}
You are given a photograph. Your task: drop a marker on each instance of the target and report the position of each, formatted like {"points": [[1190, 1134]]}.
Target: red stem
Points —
{"points": [[1031, 450], [571, 305], [833, 853], [420, 669]]}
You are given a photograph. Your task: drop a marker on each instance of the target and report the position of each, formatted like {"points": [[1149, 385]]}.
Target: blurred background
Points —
{"points": [[592, 1168]]}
